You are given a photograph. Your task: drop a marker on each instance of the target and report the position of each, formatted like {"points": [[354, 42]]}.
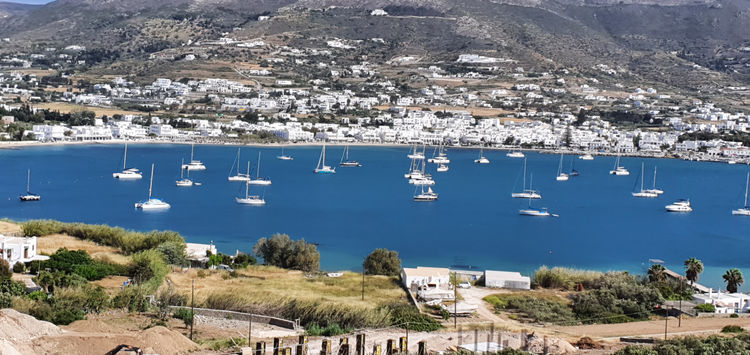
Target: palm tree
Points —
{"points": [[693, 268], [657, 273], [733, 278]]}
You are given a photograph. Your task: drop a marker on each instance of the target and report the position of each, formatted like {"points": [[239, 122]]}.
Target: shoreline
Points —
{"points": [[660, 155]]}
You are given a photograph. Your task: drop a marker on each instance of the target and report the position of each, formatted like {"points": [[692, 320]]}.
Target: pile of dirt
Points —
{"points": [[93, 326], [587, 343], [554, 346], [16, 326], [165, 341]]}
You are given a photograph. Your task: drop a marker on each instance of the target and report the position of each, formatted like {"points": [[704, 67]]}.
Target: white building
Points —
{"points": [[433, 277], [19, 249], [725, 303], [506, 279]]}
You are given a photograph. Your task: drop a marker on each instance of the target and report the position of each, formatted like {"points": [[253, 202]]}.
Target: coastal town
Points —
{"points": [[471, 100]]}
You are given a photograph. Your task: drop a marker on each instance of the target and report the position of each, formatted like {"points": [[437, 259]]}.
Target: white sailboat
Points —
{"points": [[152, 203], [193, 164], [619, 170], [586, 157], [653, 189], [535, 212], [482, 159], [416, 155], [29, 196], [515, 154], [442, 168], [240, 176], [561, 176], [250, 199], [258, 180], [284, 156], [345, 159], [530, 193], [426, 196], [322, 168], [422, 179], [127, 173], [414, 169], [440, 158], [642, 192], [184, 181], [744, 211]]}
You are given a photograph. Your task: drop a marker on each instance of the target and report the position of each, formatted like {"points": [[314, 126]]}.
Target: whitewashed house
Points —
{"points": [[506, 279], [432, 277], [19, 249], [725, 303]]}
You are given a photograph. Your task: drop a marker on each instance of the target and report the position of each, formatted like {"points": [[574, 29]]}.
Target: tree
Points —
{"points": [[693, 268], [733, 278], [281, 251], [657, 273], [5, 269], [174, 252], [383, 262]]}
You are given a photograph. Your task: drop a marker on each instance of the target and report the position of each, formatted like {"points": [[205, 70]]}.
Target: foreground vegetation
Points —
{"points": [[738, 345]]}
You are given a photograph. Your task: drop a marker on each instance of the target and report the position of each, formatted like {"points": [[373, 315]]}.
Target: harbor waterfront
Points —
{"points": [[348, 214]]}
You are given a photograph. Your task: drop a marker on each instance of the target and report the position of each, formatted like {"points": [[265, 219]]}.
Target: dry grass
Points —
{"points": [[9, 227], [50, 243], [269, 283], [65, 107]]}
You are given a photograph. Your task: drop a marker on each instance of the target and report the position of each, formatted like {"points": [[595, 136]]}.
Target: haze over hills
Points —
{"points": [[629, 33]]}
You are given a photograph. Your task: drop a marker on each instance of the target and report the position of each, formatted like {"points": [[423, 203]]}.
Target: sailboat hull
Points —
{"points": [[284, 157], [152, 205], [350, 164], [127, 176], [741, 212], [562, 177], [534, 213], [238, 178], [325, 170], [527, 195], [645, 194], [29, 198], [259, 182], [482, 160], [251, 200]]}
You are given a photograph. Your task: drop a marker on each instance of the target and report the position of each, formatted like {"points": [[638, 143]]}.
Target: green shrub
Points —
{"points": [[242, 260], [148, 268], [732, 329], [616, 297], [328, 331], [185, 314], [5, 269], [383, 262], [533, 307], [694, 345], [734, 315], [37, 295], [705, 307], [6, 300], [87, 298], [281, 251], [408, 317], [19, 268], [12, 288], [53, 280], [127, 241], [133, 298], [564, 278], [497, 303], [173, 251]]}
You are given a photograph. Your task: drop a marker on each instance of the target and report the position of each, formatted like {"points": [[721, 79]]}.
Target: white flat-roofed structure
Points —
{"points": [[506, 279], [19, 249], [425, 276], [725, 303], [199, 252]]}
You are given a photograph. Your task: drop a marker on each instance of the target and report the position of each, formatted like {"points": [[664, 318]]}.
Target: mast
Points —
{"points": [[747, 185], [257, 177], [655, 178], [324, 155], [524, 174], [238, 161], [248, 169], [192, 148], [643, 166], [125, 158], [151, 183], [246, 188], [28, 182], [559, 169], [181, 169]]}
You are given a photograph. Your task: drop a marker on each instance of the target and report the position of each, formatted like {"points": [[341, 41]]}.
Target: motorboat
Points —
{"points": [[680, 206], [515, 154], [586, 157], [442, 168]]}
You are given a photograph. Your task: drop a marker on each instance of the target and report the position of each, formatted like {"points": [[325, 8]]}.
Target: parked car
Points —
{"points": [[464, 285], [225, 267]]}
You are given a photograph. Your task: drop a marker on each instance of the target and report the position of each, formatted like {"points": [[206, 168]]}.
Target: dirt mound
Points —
{"points": [[16, 326], [93, 326], [588, 343], [554, 346], [165, 341]]}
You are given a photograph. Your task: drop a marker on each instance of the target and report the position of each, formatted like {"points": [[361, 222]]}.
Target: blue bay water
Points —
{"points": [[350, 213]]}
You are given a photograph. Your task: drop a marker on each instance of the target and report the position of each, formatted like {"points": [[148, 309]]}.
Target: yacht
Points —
{"points": [[322, 168], [414, 169], [194, 164], [184, 181], [258, 180], [619, 170], [423, 181], [442, 168], [345, 159], [240, 176], [283, 156], [426, 196], [250, 199], [526, 193], [654, 189], [29, 196], [127, 173], [441, 157], [680, 206], [561, 176], [515, 154], [152, 203], [744, 211], [586, 157], [416, 155], [482, 159], [642, 192]]}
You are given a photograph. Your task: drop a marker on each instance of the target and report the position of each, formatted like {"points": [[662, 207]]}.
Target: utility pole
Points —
{"points": [[192, 308], [666, 320], [363, 280], [250, 331]]}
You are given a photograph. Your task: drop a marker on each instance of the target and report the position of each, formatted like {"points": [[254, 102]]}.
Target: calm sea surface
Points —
{"points": [[350, 213]]}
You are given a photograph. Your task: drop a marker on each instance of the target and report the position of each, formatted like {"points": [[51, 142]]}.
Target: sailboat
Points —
{"points": [[530, 193], [654, 189], [29, 196], [240, 176], [515, 154], [416, 155], [744, 211], [619, 170], [642, 192], [345, 159], [284, 156], [426, 196], [250, 199], [322, 168], [440, 158], [414, 170], [194, 164], [127, 173], [535, 212], [561, 176], [184, 182], [422, 178], [586, 156], [482, 159], [152, 203], [442, 168], [258, 180], [573, 171]]}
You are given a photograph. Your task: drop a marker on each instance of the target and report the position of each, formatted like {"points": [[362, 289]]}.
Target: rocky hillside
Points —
{"points": [[8, 9]]}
